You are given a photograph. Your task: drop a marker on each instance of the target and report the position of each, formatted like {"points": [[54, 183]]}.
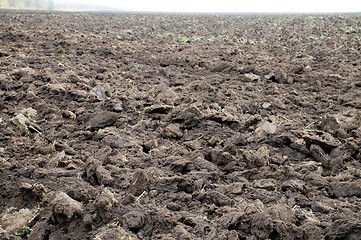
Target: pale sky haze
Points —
{"points": [[230, 5]]}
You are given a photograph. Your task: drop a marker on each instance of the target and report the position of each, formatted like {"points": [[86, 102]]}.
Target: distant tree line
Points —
{"points": [[28, 4]]}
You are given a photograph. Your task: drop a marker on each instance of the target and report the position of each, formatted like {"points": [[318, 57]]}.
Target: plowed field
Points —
{"points": [[135, 126]]}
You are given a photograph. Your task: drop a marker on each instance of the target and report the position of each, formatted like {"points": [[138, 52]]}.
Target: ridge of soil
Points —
{"points": [[131, 126]]}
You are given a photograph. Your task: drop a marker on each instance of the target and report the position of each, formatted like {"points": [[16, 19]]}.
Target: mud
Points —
{"points": [[129, 126]]}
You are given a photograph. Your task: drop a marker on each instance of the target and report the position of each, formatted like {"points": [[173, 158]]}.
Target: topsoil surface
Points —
{"points": [[131, 126]]}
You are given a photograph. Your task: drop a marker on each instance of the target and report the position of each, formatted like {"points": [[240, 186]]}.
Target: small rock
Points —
{"points": [[266, 105], [269, 76], [250, 139], [99, 92], [252, 77], [267, 127]]}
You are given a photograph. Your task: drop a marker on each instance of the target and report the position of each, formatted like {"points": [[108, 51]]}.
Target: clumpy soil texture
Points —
{"points": [[125, 126]]}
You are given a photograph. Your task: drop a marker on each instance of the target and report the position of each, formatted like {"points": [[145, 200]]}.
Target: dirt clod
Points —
{"points": [[102, 119], [65, 208]]}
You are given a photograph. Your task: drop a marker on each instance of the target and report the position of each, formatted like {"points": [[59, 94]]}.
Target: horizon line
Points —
{"points": [[176, 12]]}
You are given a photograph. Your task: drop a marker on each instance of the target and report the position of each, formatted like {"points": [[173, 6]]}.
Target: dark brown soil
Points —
{"points": [[125, 126]]}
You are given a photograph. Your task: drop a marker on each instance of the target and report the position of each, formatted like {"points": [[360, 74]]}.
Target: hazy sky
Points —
{"points": [[231, 5]]}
